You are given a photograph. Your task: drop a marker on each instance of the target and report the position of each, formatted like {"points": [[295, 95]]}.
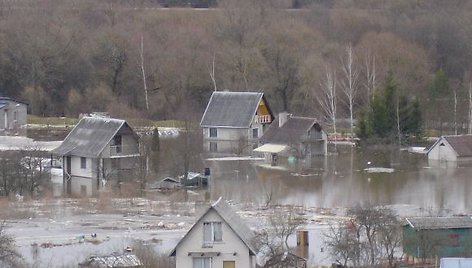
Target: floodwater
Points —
{"points": [[341, 180]]}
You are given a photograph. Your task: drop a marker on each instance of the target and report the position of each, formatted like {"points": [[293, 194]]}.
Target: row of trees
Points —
{"points": [[66, 57]]}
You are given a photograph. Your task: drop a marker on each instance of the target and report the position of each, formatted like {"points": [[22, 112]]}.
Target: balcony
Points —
{"points": [[117, 151], [262, 119]]}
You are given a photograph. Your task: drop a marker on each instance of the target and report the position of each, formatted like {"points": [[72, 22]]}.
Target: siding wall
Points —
{"points": [[231, 244], [442, 153]]}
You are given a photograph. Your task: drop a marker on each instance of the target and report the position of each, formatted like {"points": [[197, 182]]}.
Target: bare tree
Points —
{"points": [[370, 73], [371, 236], [350, 83], [328, 97], [9, 257], [470, 107], [141, 54], [273, 240]]}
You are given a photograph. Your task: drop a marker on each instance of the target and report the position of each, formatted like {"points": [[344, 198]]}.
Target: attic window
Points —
{"points": [[442, 144], [212, 232]]}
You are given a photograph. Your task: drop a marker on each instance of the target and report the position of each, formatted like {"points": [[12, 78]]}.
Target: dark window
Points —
{"points": [[213, 132], [117, 143], [213, 147], [255, 133], [83, 163]]}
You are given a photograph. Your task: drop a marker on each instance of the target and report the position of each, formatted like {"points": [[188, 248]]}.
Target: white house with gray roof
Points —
{"points": [[97, 151], [12, 116], [233, 121], [219, 238], [451, 148]]}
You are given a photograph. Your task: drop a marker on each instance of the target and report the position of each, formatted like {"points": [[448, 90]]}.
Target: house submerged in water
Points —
{"points": [[97, 150], [233, 122]]}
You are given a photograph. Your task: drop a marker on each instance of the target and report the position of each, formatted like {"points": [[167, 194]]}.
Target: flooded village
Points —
{"points": [[235, 134]]}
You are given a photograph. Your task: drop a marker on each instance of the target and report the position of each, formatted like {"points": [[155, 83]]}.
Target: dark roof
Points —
{"points": [[116, 260], [462, 144], [231, 109], [234, 222], [292, 131], [90, 136], [439, 222], [3, 99]]}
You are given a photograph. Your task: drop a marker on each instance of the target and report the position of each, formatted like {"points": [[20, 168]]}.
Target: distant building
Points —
{"points": [[12, 116], [302, 137], [430, 237], [126, 260], [455, 263], [233, 122], [96, 151], [219, 238], [451, 148]]}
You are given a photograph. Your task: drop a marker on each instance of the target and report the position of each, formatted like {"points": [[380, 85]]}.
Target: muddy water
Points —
{"points": [[341, 181]]}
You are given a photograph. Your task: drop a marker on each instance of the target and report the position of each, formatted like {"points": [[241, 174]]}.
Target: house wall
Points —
{"points": [[130, 146], [441, 242], [442, 153], [13, 122], [82, 177], [231, 243]]}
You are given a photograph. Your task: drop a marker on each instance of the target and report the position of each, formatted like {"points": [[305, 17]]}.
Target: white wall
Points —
{"points": [[442, 153], [231, 243], [76, 170]]}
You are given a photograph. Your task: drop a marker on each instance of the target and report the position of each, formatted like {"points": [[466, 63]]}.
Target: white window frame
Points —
{"points": [[199, 262], [212, 232]]}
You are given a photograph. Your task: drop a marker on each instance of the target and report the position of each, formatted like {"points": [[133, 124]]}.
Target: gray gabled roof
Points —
{"points": [[429, 223], [292, 131], [234, 222], [3, 99], [231, 109], [456, 263], [461, 144], [90, 136]]}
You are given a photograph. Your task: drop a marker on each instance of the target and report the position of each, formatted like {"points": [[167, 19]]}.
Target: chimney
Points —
{"points": [[283, 117]]}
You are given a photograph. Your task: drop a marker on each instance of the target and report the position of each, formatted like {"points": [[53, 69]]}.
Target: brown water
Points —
{"points": [[340, 181]]}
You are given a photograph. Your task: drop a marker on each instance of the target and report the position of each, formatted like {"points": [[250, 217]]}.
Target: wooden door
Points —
{"points": [[229, 264]]}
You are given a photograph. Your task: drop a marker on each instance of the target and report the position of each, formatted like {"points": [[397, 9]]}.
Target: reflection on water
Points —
{"points": [[340, 181]]}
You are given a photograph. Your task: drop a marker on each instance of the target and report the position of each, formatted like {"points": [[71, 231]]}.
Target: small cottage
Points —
{"points": [[12, 116], [234, 121], [451, 148], [429, 237], [125, 260], [98, 150], [219, 238], [302, 137]]}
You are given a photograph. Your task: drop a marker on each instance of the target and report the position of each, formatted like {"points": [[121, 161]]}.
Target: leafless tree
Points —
{"points": [[9, 257], [149, 257], [369, 237], [350, 82], [328, 97], [272, 241]]}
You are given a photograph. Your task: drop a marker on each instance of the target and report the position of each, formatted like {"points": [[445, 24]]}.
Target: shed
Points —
{"points": [[112, 261], [451, 148], [455, 263], [428, 237], [12, 116]]}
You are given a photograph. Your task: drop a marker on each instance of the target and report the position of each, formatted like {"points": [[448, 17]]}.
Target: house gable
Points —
{"points": [[234, 109], [91, 135]]}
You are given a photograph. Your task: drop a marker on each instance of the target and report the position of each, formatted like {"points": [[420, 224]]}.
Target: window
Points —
{"points": [[83, 163], [255, 133], [213, 147], [229, 264], [201, 262], [212, 232], [83, 190], [117, 143], [213, 132]]}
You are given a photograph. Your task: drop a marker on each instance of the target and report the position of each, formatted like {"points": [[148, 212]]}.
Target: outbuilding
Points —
{"points": [[451, 148]]}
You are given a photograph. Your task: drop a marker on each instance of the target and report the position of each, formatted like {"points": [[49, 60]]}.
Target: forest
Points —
{"points": [[135, 59]]}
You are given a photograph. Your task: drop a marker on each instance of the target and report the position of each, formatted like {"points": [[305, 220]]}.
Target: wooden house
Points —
{"points": [[219, 238], [302, 137], [451, 148], [427, 238], [12, 116], [234, 121], [96, 151]]}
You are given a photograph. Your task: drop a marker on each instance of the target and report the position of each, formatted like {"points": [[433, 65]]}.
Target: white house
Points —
{"points": [[219, 238], [302, 137], [12, 116], [97, 150], [233, 121], [451, 148]]}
